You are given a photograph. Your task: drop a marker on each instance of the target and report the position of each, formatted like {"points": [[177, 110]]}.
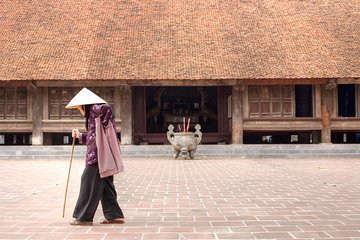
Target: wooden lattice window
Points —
{"points": [[271, 101], [13, 103], [60, 97]]}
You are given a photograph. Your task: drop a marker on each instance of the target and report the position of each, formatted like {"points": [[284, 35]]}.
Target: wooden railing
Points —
{"points": [[281, 124]]}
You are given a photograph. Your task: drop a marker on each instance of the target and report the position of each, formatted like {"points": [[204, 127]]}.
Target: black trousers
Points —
{"points": [[94, 189]]}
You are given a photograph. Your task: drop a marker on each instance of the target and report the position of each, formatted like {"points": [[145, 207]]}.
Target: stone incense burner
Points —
{"points": [[184, 142]]}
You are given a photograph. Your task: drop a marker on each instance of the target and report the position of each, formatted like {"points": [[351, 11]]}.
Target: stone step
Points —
{"points": [[203, 151]]}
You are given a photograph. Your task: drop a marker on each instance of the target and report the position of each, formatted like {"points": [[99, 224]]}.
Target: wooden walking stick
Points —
{"points": [[67, 182]]}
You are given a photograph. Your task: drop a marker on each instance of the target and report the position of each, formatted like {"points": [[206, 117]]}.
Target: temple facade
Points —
{"points": [[327, 112], [248, 73]]}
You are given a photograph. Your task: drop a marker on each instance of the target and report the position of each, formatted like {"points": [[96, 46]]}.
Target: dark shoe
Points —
{"points": [[80, 223], [113, 221]]}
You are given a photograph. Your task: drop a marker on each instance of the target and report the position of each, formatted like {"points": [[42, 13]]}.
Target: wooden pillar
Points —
{"points": [[125, 99], [246, 110], [37, 114], [45, 102], [236, 115], [327, 102], [47, 139], [357, 104], [317, 100], [325, 131]]}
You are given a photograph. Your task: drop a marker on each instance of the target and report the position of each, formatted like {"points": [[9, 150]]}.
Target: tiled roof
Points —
{"points": [[179, 39]]}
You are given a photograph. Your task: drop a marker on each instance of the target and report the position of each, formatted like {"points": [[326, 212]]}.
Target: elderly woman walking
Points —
{"points": [[103, 160]]}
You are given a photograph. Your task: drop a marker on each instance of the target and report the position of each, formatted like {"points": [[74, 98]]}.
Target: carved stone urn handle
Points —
{"points": [[198, 134], [170, 134]]}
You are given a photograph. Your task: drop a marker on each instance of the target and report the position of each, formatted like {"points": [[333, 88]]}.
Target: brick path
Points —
{"points": [[190, 199]]}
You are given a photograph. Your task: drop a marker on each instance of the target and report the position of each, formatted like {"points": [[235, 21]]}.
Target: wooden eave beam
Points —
{"points": [[17, 83], [175, 82]]}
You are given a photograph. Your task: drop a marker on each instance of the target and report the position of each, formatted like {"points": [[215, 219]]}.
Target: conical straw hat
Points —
{"points": [[84, 97]]}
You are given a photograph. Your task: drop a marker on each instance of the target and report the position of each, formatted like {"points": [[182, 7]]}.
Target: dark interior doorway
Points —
{"points": [[345, 137], [171, 105], [303, 100], [15, 138], [346, 100], [303, 137]]}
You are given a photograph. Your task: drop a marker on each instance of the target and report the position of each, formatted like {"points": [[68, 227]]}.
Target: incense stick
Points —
{"points": [[188, 125], [184, 123]]}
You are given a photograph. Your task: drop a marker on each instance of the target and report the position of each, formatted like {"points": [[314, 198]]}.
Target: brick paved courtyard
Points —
{"points": [[190, 199]]}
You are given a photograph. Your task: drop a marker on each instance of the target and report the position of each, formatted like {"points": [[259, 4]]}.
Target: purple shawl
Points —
{"points": [[109, 155], [105, 113]]}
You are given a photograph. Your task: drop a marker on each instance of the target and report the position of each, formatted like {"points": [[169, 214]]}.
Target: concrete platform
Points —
{"points": [[229, 151], [210, 198]]}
